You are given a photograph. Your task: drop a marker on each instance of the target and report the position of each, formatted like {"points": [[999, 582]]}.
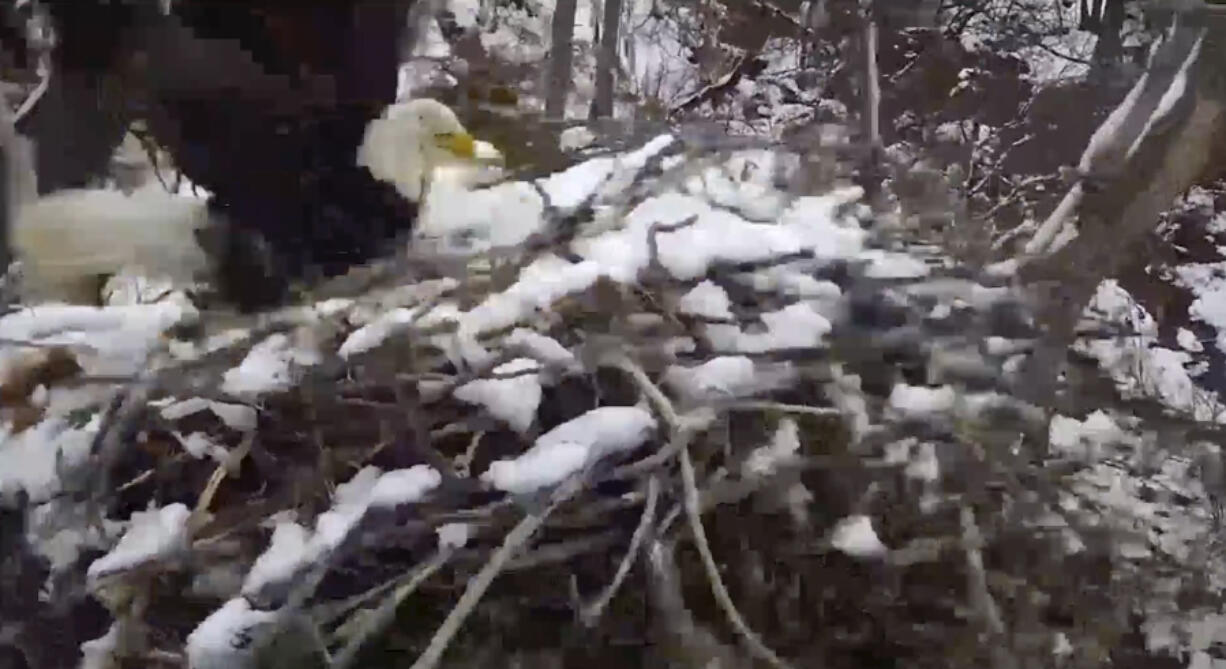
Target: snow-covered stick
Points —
{"points": [[590, 614], [291, 612], [479, 584], [680, 435]]}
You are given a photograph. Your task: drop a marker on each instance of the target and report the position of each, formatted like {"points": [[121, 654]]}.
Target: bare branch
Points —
{"points": [[478, 584], [590, 614], [381, 617], [680, 437]]}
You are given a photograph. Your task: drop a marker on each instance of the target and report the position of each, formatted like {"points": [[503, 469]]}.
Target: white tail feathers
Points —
{"points": [[66, 240]]}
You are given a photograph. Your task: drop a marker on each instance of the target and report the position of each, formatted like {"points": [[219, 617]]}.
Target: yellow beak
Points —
{"points": [[460, 144]]}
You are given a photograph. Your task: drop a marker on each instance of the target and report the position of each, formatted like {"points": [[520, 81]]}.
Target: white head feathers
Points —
{"points": [[412, 138]]}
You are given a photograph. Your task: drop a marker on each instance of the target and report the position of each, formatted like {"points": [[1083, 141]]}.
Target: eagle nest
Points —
{"points": [[645, 411]]}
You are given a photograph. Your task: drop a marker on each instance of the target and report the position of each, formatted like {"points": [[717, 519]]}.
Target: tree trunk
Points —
{"points": [[870, 109], [18, 180], [1091, 15], [8, 204], [560, 59], [1110, 46], [606, 60], [872, 85], [815, 17], [1159, 142]]}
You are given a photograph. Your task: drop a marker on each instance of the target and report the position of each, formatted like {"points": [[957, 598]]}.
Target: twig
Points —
{"points": [[779, 13], [709, 92], [649, 463], [784, 408], [655, 396], [653, 244], [137, 480], [791, 354], [681, 436], [230, 466], [695, 420], [977, 581], [108, 443], [590, 614], [34, 96], [463, 462], [481, 372], [564, 551], [477, 586], [166, 658], [697, 644], [380, 618], [718, 589], [151, 152]]}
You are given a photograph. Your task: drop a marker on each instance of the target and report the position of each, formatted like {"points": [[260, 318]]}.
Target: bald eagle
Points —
{"points": [[68, 240], [284, 112]]}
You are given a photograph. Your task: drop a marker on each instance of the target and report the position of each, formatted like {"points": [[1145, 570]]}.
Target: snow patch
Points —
{"points": [[294, 547], [229, 637], [100, 653], [723, 377], [151, 535], [269, 367], [569, 447], [706, 300], [1087, 439], [512, 400], [235, 416], [543, 349], [1137, 365], [920, 401], [855, 536], [33, 460], [453, 535], [785, 444], [576, 138], [886, 265], [108, 341]]}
